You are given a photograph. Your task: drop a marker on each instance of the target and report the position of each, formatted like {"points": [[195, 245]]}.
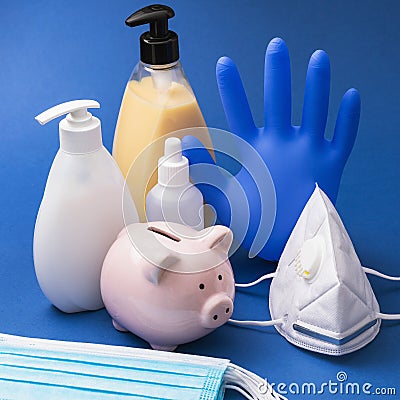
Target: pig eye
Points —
{"points": [[201, 286], [220, 277]]}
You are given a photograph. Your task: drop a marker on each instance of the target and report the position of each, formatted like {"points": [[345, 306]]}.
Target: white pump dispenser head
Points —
{"points": [[173, 168], [83, 209], [80, 132]]}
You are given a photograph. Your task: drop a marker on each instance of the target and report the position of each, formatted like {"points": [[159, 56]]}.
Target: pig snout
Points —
{"points": [[216, 311]]}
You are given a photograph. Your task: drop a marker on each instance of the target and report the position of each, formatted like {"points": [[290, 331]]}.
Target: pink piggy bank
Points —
{"points": [[168, 283]]}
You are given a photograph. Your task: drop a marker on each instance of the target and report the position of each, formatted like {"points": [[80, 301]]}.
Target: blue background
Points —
{"points": [[52, 52]]}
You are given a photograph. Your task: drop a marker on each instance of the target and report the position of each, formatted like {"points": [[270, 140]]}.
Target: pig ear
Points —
{"points": [[154, 273], [218, 236]]}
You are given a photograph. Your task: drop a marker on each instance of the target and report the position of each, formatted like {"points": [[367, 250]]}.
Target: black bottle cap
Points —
{"points": [[158, 46]]}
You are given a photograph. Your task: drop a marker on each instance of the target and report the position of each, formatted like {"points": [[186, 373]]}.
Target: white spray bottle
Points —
{"points": [[175, 198], [81, 212]]}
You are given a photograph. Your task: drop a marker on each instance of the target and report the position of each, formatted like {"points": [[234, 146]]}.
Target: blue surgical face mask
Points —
{"points": [[42, 369]]}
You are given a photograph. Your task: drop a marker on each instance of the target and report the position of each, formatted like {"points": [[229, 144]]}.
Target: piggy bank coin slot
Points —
{"points": [[163, 233]]}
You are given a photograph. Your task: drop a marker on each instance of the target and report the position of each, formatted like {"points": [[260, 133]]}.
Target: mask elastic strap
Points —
{"points": [[248, 384], [391, 278], [377, 273], [257, 323], [271, 322], [256, 282], [388, 316]]}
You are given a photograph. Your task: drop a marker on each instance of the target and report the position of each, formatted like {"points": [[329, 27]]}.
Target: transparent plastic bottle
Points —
{"points": [[158, 100]]}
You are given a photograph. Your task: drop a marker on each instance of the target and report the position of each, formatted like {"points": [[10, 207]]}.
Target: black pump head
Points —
{"points": [[158, 46]]}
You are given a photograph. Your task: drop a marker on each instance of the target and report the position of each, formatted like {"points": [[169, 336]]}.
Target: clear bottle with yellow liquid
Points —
{"points": [[158, 100]]}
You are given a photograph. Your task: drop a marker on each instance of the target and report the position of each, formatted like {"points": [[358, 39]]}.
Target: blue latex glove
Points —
{"points": [[297, 156]]}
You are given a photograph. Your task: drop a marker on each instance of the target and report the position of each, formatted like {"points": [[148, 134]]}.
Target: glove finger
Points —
{"points": [[347, 123], [277, 85], [316, 95], [234, 100], [194, 150]]}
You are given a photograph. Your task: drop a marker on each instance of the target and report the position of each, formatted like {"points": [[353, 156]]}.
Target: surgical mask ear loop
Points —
{"points": [[390, 278], [257, 323], [248, 384]]}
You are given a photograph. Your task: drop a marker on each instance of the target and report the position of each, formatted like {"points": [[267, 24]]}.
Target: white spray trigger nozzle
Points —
{"points": [[77, 110]]}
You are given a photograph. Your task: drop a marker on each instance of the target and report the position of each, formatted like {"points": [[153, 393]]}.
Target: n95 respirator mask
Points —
{"points": [[320, 298]]}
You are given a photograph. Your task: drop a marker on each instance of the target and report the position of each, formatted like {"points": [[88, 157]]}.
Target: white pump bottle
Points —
{"points": [[81, 212], [175, 198]]}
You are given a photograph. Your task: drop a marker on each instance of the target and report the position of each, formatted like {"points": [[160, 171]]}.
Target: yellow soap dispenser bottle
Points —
{"points": [[158, 100]]}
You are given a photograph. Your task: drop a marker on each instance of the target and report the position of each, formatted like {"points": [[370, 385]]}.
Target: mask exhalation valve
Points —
{"points": [[309, 257]]}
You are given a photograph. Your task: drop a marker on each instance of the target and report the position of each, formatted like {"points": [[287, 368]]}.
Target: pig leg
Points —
{"points": [[163, 348], [118, 327]]}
